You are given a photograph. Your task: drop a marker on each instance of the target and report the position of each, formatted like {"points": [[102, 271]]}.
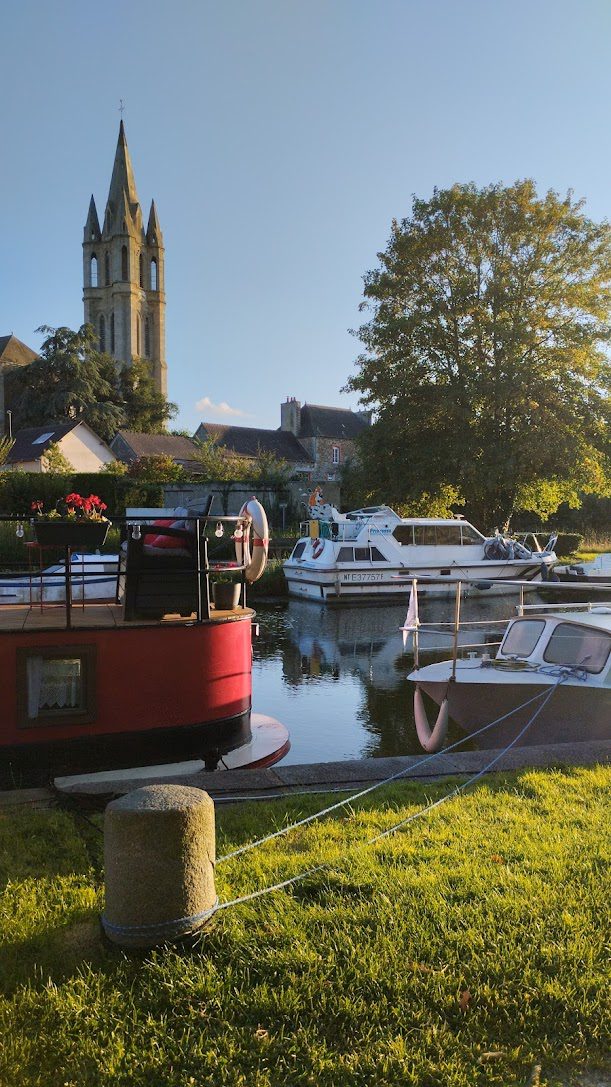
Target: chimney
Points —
{"points": [[290, 415]]}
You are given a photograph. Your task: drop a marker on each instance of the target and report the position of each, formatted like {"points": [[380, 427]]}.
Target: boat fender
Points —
{"points": [[430, 740], [317, 548], [253, 553]]}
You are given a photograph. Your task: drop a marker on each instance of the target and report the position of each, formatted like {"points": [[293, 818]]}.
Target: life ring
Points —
{"points": [[253, 554], [317, 548]]}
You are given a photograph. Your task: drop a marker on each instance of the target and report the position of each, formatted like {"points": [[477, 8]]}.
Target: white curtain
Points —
{"points": [[53, 683]]}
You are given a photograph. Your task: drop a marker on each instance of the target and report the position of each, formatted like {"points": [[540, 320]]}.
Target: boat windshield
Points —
{"points": [[522, 637], [583, 647]]}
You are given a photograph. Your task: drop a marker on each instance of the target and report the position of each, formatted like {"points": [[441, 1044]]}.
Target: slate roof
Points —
{"points": [[320, 422], [14, 352], [177, 446], [27, 448], [249, 441]]}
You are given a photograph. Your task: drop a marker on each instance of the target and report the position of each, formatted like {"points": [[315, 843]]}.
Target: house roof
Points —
{"points": [[177, 446], [32, 442], [250, 441], [320, 422], [14, 352]]}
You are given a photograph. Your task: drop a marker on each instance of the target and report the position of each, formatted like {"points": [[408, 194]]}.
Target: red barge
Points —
{"points": [[157, 674]]}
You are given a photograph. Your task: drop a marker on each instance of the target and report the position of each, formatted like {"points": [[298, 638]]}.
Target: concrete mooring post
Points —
{"points": [[159, 855]]}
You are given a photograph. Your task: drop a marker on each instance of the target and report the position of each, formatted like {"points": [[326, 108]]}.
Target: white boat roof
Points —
{"points": [[599, 617]]}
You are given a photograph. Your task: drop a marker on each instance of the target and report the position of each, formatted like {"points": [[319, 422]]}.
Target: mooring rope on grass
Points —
{"points": [[410, 818], [379, 784]]}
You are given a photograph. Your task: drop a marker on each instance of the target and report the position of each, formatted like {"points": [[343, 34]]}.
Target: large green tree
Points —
{"points": [[72, 379], [485, 355]]}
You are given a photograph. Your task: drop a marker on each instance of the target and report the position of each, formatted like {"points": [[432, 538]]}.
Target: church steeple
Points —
{"points": [[123, 273]]}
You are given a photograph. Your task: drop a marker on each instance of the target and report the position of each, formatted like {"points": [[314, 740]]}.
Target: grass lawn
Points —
{"points": [[466, 949]]}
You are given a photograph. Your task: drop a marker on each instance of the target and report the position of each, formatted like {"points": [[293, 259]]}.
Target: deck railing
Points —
{"points": [[206, 558]]}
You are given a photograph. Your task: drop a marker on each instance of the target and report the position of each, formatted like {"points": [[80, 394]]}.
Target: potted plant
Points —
{"points": [[226, 593], [74, 522]]}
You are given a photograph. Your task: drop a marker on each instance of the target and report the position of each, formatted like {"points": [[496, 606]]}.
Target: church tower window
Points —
{"points": [[102, 333], [112, 333], [107, 268], [147, 338], [93, 271], [153, 274], [141, 270], [124, 270]]}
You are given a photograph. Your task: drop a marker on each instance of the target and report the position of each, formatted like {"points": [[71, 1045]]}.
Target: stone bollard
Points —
{"points": [[159, 855]]}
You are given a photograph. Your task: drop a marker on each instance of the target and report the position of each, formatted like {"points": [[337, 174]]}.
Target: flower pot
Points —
{"points": [[226, 595], [84, 535]]}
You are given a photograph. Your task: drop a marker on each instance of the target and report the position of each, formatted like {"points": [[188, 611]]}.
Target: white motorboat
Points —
{"points": [[372, 553], [564, 654], [596, 572], [92, 577]]}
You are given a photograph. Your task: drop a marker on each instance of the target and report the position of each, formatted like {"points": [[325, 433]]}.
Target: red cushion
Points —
{"points": [[169, 543]]}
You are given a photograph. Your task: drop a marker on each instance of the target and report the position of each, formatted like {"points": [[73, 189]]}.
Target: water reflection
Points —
{"points": [[336, 677]]}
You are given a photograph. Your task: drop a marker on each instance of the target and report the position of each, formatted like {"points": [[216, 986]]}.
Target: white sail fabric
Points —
{"points": [[411, 619]]}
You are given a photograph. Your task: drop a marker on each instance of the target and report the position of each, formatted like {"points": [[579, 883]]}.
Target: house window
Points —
{"points": [[107, 268], [336, 454], [124, 274], [153, 274], [102, 333], [56, 685], [93, 271]]}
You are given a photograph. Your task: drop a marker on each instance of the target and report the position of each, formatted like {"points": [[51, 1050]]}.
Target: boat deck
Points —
{"points": [[94, 616]]}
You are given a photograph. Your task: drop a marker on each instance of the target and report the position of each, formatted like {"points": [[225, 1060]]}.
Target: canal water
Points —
{"points": [[336, 676]]}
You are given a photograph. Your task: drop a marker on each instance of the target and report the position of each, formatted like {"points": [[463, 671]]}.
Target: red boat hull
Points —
{"points": [[160, 690]]}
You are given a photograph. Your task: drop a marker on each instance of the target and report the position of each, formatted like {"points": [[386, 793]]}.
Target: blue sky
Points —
{"points": [[279, 139]]}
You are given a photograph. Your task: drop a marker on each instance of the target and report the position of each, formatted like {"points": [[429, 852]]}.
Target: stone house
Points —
{"points": [[328, 434], [250, 442], [13, 354]]}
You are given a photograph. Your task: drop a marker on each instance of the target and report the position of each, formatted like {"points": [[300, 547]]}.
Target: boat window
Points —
{"points": [[424, 535], [447, 535], [403, 534], [361, 554], [583, 647], [470, 535], [376, 555], [298, 550], [346, 554], [55, 686], [522, 637]]}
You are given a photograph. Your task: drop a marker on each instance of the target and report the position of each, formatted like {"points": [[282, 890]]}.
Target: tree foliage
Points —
{"points": [[72, 379], [485, 353]]}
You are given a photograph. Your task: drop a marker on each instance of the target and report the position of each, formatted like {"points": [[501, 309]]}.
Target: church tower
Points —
{"points": [[123, 274]]}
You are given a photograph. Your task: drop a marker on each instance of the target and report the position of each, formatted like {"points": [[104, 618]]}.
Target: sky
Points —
{"points": [[279, 139]]}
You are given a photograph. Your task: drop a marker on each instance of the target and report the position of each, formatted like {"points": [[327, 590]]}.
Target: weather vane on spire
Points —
{"points": [[121, 107]]}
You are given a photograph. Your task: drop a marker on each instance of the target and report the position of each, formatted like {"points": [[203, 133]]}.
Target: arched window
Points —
{"points": [[124, 274], [153, 274], [102, 333], [93, 271], [147, 338], [112, 333], [141, 269], [107, 268]]}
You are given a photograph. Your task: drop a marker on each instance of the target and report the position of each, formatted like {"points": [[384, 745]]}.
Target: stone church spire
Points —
{"points": [[123, 273]]}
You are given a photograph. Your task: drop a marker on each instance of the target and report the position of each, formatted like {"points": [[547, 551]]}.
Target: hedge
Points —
{"points": [[19, 489]]}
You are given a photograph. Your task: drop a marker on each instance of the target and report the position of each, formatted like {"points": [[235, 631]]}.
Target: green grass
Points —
{"points": [[353, 976]]}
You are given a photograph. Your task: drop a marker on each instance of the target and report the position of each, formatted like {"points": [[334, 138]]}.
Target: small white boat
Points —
{"points": [[372, 553], [92, 577], [538, 650], [597, 572]]}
